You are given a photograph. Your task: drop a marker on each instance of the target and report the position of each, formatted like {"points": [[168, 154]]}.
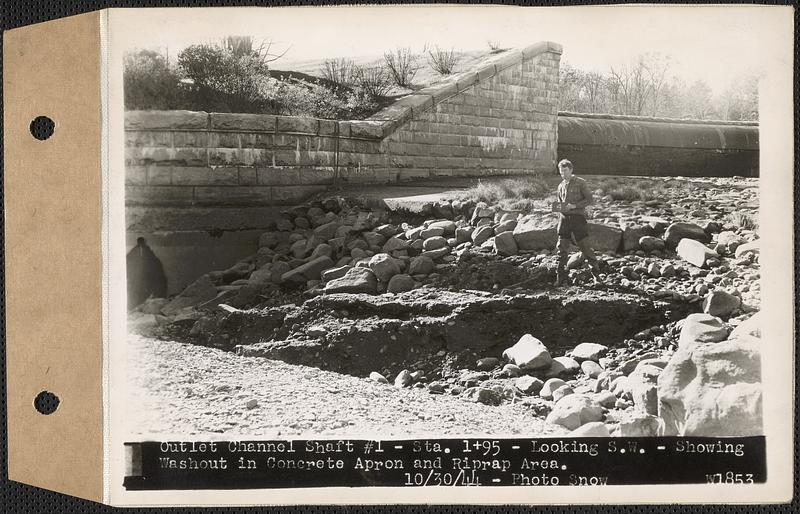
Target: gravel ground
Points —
{"points": [[188, 390]]}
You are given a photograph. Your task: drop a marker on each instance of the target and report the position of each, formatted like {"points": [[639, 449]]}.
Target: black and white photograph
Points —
{"points": [[436, 223]]}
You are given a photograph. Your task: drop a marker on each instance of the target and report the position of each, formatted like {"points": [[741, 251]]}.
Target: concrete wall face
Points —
{"points": [[504, 125], [625, 145], [499, 120]]}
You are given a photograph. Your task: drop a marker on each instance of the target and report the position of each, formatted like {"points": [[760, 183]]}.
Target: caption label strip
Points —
{"points": [[444, 462]]}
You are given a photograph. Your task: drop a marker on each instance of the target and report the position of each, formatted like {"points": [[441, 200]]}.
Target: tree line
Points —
{"points": [[646, 87]]}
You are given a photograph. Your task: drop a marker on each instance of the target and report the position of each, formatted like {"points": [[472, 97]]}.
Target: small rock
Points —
{"points": [[561, 392], [548, 387], [529, 385], [591, 369], [403, 379], [251, 404], [487, 363], [377, 377], [384, 266], [511, 370]]}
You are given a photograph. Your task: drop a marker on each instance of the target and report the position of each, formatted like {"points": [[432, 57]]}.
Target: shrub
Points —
{"points": [[150, 82], [744, 220], [441, 60], [494, 46], [299, 98], [339, 71], [373, 81], [516, 193], [225, 77], [402, 66]]}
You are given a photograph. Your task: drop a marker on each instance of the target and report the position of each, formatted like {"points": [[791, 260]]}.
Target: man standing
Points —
{"points": [[574, 196]]}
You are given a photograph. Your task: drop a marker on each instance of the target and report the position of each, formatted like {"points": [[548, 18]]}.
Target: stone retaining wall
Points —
{"points": [[498, 119]]}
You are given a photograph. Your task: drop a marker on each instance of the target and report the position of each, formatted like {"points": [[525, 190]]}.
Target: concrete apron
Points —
{"points": [[190, 242]]}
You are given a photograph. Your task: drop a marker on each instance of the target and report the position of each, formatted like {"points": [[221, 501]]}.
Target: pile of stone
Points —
{"points": [[330, 246], [706, 382]]}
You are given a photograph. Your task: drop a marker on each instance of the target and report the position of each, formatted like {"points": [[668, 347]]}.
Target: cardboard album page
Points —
{"points": [[402, 254]]}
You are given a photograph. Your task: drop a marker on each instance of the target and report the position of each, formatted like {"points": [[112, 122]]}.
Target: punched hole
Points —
{"points": [[46, 402], [42, 127]]}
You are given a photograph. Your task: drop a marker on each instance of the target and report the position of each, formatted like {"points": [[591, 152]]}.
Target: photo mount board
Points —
{"points": [[53, 246], [54, 243]]}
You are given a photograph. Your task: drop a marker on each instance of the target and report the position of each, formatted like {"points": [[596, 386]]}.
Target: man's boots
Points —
{"points": [[562, 278]]}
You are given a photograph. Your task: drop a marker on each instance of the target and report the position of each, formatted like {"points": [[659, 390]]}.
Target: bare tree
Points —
{"points": [[442, 61], [633, 87], [656, 66], [247, 46], [402, 65], [595, 86], [339, 71]]}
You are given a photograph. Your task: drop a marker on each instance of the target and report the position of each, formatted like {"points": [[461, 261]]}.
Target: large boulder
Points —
{"points": [[481, 234], [701, 328], [395, 243], [356, 280], [650, 243], [529, 353], [312, 270], [751, 327], [327, 231], [504, 243], [448, 227], [631, 234], [535, 232], [400, 283], [434, 243], [720, 303], [384, 266], [695, 252], [642, 385], [575, 410], [421, 265], [751, 247], [592, 429], [712, 390], [589, 352], [604, 238], [678, 231]]}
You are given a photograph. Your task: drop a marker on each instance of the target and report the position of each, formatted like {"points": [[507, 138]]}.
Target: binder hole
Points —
{"points": [[46, 402], [42, 127]]}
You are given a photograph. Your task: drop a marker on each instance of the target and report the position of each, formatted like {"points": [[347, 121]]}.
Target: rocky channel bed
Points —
{"points": [[351, 320]]}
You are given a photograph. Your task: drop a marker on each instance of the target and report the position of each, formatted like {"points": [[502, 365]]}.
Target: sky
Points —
{"points": [[716, 44]]}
